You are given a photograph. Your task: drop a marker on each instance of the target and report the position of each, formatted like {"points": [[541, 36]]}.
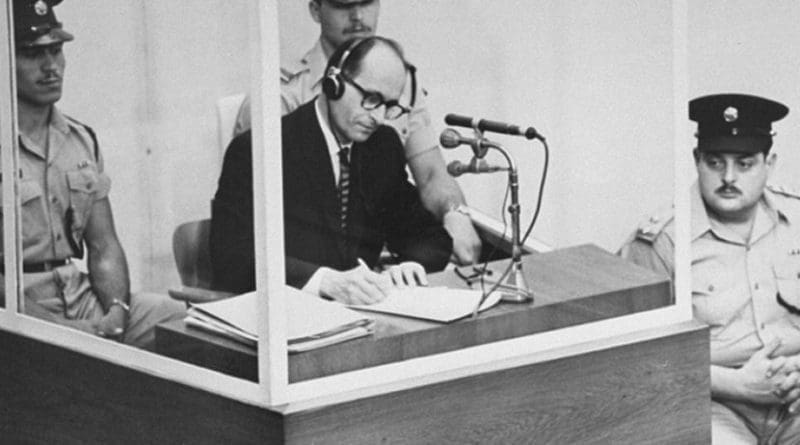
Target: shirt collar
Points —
{"points": [[327, 133], [58, 123], [316, 62]]}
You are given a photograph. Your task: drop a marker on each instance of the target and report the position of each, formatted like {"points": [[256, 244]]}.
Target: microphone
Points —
{"points": [[492, 126], [451, 138], [458, 168]]}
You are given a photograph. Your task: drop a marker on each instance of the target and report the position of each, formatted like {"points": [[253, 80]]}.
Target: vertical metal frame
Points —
{"points": [[9, 155], [273, 367]]}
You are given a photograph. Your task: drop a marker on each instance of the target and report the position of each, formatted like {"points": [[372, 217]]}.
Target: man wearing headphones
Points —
{"points": [[301, 81], [346, 192]]}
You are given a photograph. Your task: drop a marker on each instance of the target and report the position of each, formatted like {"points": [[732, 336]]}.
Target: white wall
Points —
{"points": [[146, 76], [751, 47], [594, 77]]}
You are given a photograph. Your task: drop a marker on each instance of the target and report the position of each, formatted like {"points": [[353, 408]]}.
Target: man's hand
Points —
{"points": [[356, 286], [408, 273], [113, 323], [466, 243], [762, 379]]}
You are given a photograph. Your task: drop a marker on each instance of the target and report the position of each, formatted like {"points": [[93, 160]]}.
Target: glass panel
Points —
{"points": [[548, 70], [123, 112]]}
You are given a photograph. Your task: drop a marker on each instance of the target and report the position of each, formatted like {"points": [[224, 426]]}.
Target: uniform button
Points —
{"points": [[711, 288], [58, 237], [763, 326], [54, 199], [755, 286]]}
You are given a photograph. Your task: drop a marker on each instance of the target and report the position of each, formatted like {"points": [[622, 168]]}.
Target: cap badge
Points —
{"points": [[40, 7], [730, 114]]}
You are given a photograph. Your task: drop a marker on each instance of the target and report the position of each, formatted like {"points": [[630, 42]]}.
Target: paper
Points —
{"points": [[432, 303], [312, 322]]}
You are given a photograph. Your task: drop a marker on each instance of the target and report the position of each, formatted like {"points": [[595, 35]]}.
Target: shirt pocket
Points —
{"points": [[82, 190], [714, 299], [787, 279], [33, 213]]}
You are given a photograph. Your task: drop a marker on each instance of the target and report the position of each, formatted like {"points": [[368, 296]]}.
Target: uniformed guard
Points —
{"points": [[301, 81], [745, 251], [63, 191]]}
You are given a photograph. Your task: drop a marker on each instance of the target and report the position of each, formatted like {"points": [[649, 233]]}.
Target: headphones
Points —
{"points": [[333, 84]]}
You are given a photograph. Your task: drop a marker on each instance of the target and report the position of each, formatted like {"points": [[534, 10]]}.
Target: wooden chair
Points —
{"points": [[190, 246]]}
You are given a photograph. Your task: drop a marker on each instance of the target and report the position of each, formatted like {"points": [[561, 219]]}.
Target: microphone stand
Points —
{"points": [[514, 287]]}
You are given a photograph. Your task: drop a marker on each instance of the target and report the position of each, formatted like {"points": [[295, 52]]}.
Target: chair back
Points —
{"points": [[227, 111], [190, 245]]}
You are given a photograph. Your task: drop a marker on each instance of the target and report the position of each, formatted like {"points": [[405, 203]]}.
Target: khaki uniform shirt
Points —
{"points": [[301, 81], [736, 284], [58, 185]]}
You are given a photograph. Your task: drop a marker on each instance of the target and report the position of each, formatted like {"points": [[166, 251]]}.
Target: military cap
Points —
{"points": [[735, 123], [35, 23]]}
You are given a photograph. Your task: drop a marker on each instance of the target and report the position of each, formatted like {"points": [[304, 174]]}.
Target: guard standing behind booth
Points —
{"points": [[64, 201], [745, 252], [301, 81]]}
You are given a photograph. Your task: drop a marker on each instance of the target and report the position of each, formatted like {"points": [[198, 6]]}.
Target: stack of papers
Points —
{"points": [[312, 321], [440, 304]]}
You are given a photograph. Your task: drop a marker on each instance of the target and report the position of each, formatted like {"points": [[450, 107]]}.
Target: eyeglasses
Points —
{"points": [[373, 100]]}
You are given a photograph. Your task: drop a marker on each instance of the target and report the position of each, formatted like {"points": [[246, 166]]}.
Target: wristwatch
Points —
{"points": [[120, 303], [460, 208]]}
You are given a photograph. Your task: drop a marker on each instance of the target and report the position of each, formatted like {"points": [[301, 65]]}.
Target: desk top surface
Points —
{"points": [[571, 286]]}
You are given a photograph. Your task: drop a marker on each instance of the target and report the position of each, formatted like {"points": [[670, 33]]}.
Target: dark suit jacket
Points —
{"points": [[384, 208]]}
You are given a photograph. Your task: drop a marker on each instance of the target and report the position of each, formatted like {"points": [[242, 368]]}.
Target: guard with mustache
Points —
{"points": [[64, 204], [745, 264]]}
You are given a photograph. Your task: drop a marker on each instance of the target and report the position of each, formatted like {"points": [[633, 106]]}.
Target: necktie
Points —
{"points": [[344, 184]]}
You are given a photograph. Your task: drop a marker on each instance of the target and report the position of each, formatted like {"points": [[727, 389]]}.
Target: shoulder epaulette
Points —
{"points": [[653, 226], [292, 69], [89, 130], [791, 192]]}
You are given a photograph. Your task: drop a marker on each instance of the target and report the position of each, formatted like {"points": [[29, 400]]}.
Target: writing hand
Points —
{"points": [[359, 285]]}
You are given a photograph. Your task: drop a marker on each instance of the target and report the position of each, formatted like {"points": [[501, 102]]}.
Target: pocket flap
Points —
{"points": [[81, 181], [28, 190]]}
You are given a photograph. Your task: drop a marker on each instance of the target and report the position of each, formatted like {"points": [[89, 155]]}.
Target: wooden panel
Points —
{"points": [[50, 395], [571, 287], [650, 392]]}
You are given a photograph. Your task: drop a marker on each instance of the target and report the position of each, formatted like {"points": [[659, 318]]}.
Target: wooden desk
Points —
{"points": [[571, 286]]}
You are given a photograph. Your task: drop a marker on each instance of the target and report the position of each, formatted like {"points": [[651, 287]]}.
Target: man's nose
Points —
{"points": [[356, 14], [729, 175], [379, 114], [49, 61]]}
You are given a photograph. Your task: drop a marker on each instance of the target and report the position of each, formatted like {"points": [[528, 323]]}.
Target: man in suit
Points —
{"points": [[342, 20], [346, 192]]}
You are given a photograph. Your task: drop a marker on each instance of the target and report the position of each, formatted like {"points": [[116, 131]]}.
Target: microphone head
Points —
{"points": [[531, 133], [455, 168], [450, 138]]}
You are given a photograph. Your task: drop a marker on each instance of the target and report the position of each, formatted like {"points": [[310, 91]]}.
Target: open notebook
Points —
{"points": [[440, 304], [312, 321]]}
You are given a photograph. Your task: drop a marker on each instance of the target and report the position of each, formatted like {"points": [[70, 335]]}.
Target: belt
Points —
{"points": [[44, 266]]}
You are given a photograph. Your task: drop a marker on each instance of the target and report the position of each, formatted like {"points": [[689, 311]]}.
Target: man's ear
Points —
{"points": [[313, 9], [771, 160]]}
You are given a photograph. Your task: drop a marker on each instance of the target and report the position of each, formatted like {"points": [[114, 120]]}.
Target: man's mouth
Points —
{"points": [[728, 192], [50, 81], [358, 29]]}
